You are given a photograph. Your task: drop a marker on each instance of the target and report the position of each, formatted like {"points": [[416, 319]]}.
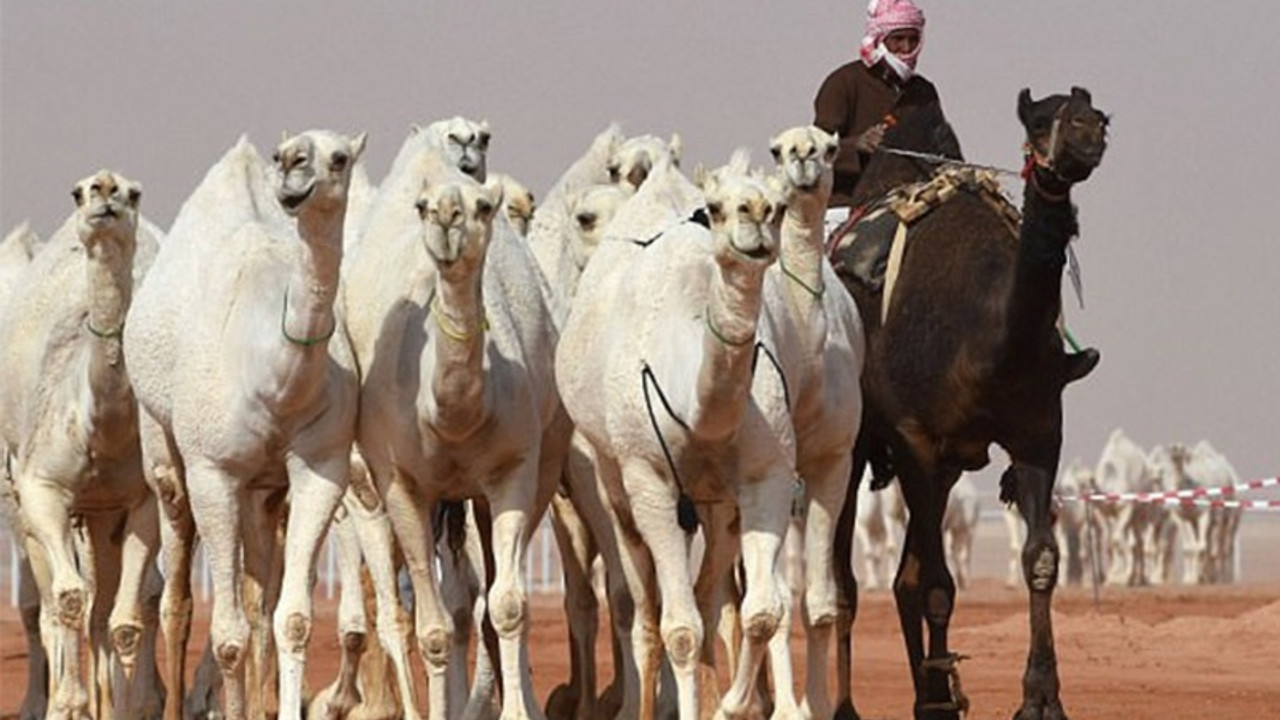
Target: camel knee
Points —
{"points": [[938, 605], [126, 637], [1040, 566], [507, 609], [434, 644], [820, 603], [761, 626], [293, 631], [682, 644], [70, 606]]}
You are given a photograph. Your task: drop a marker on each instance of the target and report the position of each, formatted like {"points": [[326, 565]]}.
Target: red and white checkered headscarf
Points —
{"points": [[883, 17]]}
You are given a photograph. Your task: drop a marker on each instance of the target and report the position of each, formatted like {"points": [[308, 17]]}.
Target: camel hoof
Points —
{"points": [[609, 703], [846, 711], [1051, 711], [952, 713]]}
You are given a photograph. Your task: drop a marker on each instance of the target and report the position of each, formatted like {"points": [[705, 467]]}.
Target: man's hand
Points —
{"points": [[871, 138]]}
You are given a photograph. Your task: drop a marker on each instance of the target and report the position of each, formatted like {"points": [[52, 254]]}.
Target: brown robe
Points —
{"points": [[853, 98]]}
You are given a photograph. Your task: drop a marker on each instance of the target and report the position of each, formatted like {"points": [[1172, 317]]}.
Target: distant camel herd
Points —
{"points": [[425, 366]]}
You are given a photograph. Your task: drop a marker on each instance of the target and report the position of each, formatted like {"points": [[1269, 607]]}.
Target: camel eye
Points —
{"points": [[743, 209], [586, 220], [483, 143], [134, 195], [338, 161], [275, 157], [777, 153], [421, 205], [78, 194]]}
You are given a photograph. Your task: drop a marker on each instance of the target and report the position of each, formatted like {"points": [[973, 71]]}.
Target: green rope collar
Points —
{"points": [[304, 342], [108, 335], [721, 336], [815, 292]]}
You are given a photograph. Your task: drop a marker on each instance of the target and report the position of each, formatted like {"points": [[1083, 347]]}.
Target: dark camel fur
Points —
{"points": [[969, 355]]}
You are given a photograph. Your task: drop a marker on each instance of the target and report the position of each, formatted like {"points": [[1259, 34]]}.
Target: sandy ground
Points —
{"points": [[1167, 652]]}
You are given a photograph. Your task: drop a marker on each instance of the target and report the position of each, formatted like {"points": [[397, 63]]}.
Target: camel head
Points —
{"points": [[457, 223], [632, 161], [591, 209], [1169, 465], [745, 211], [107, 213], [518, 201], [315, 170], [1065, 134], [464, 142], [805, 157]]}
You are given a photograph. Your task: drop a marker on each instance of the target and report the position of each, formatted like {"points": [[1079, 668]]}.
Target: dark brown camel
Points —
{"points": [[969, 355]]}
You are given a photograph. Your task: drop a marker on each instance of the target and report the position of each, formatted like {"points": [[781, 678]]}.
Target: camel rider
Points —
{"points": [[857, 100]]}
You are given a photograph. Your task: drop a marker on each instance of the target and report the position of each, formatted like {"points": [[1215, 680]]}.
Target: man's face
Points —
{"points": [[902, 42]]}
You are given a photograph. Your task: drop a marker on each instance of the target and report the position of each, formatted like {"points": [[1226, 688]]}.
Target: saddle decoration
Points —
{"points": [[910, 203]]}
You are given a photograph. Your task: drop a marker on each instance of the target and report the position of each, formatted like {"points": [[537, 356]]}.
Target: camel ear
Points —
{"points": [[134, 193], [1080, 93], [700, 176], [676, 148], [414, 129], [493, 194], [1024, 105], [284, 135], [357, 145]]}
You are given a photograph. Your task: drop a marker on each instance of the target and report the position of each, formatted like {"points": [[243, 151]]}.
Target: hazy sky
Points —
{"points": [[1178, 246]]}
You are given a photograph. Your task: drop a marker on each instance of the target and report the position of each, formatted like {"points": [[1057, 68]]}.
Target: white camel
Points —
{"points": [[655, 366], [16, 251], [564, 233], [814, 334], [248, 391], [463, 142], [1212, 468], [455, 344], [1126, 527], [68, 421], [881, 519]]}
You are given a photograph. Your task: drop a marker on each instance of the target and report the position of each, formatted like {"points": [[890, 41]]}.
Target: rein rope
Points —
{"points": [[304, 342]]}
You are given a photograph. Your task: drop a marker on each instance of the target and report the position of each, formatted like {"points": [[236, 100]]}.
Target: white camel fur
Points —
{"points": [[455, 344], [667, 312], [248, 391], [68, 421]]}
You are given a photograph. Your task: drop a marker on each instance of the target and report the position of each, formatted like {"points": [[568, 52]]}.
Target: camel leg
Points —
{"points": [[373, 530], [654, 511], [846, 591], [635, 609], [127, 623], [177, 548], [46, 515], [36, 698], [151, 697], [1040, 683], [263, 565], [826, 487], [764, 507], [486, 688], [575, 700], [99, 558], [316, 486], [513, 504], [925, 594], [338, 699], [1013, 524], [715, 589], [216, 506], [411, 520]]}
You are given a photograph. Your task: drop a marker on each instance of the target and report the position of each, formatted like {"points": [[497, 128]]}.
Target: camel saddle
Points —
{"points": [[868, 247]]}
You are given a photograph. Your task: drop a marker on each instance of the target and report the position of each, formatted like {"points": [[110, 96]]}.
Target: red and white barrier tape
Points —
{"points": [[1201, 496]]}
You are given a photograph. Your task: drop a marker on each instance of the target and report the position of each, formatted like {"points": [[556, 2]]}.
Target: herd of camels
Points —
{"points": [[427, 365]]}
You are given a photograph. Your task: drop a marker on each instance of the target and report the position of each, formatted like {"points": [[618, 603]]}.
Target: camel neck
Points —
{"points": [[109, 284], [308, 319], [724, 378], [801, 252], [456, 323], [1048, 224]]}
